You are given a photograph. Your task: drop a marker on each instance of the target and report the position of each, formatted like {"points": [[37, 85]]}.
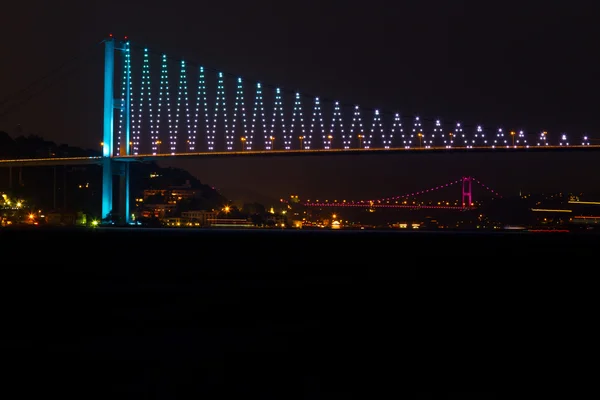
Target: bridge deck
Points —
{"points": [[35, 162], [394, 150], [49, 162], [391, 205]]}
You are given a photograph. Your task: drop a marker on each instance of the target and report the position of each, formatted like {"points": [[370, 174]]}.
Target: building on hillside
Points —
{"points": [[276, 220], [173, 194], [161, 203], [175, 221], [157, 210], [202, 217]]}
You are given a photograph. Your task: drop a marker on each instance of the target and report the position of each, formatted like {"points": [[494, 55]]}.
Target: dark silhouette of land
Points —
{"points": [[59, 187]]}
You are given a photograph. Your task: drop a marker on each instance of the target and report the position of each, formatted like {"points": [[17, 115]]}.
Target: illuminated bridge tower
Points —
{"points": [[111, 167], [467, 194]]}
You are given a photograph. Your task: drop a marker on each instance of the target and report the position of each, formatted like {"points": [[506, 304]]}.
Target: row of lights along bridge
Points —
{"points": [[451, 141]]}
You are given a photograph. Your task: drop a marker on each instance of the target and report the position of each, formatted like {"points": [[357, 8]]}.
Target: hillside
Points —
{"points": [[242, 195], [78, 188]]}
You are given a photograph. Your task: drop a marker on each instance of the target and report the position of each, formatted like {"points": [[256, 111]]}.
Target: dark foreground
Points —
{"points": [[163, 314]]}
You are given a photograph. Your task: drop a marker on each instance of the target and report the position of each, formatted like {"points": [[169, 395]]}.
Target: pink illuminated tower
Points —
{"points": [[467, 196]]}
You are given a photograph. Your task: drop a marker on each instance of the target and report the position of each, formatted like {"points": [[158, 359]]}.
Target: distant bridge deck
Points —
{"points": [[367, 205], [36, 162]]}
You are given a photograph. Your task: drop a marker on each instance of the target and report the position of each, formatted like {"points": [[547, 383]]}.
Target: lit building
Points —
{"points": [[173, 194], [230, 223], [157, 210], [278, 220], [160, 203], [204, 218]]}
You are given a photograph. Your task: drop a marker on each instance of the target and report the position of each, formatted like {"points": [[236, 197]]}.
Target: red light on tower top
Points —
{"points": [[125, 38]]}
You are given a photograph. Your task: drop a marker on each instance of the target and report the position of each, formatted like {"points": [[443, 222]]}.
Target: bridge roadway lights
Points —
{"points": [[391, 150]]}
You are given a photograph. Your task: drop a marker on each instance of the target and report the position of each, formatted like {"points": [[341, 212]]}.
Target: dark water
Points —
{"points": [[276, 314]]}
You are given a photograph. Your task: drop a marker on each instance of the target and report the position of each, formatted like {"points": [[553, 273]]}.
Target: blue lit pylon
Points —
{"points": [[278, 107], [201, 104], [220, 107], [258, 117], [240, 108], [356, 129], [125, 97], [396, 128], [164, 103], [377, 130], [337, 117], [297, 113], [316, 123]]}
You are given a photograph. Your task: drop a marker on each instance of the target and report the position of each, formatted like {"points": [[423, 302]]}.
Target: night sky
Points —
{"points": [[519, 65]]}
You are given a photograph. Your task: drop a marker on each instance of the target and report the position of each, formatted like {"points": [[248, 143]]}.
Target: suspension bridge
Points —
{"points": [[156, 106], [466, 201]]}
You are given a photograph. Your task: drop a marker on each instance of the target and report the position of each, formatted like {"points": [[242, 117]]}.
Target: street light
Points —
{"points": [[330, 138], [272, 139], [360, 138], [243, 139], [158, 143], [301, 138], [512, 133], [420, 135]]}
